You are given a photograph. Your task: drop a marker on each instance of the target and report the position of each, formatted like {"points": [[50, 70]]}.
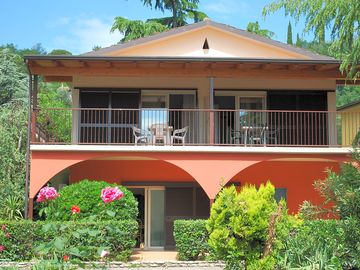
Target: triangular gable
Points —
{"points": [[222, 41]]}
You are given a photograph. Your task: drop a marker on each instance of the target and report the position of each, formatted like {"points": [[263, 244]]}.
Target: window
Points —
{"points": [[280, 193]]}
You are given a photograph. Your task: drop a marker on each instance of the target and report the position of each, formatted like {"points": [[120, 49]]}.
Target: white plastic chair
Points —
{"points": [[140, 135], [179, 134]]}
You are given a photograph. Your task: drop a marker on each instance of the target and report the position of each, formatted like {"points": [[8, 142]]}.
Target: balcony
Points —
{"points": [[195, 127]]}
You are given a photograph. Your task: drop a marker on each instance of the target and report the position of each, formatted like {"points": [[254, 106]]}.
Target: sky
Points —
{"points": [[79, 25]]}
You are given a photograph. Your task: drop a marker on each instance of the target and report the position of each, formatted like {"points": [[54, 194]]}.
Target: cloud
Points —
{"points": [[227, 7], [80, 35]]}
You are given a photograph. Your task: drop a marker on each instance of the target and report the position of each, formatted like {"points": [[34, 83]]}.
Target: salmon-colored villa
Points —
{"points": [[177, 115]]}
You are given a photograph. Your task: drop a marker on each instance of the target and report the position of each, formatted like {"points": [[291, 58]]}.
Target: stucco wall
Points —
{"points": [[297, 177], [221, 43]]}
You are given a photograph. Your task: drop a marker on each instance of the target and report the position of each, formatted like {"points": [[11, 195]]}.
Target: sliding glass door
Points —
{"points": [[151, 205]]}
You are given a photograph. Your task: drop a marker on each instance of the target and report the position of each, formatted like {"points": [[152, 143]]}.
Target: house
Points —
{"points": [[178, 115], [350, 122]]}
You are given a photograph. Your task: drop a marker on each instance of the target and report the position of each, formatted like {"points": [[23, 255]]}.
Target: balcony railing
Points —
{"points": [[196, 127]]}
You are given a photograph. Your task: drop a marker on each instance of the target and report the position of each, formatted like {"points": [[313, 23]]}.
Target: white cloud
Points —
{"points": [[228, 7], [83, 33]]}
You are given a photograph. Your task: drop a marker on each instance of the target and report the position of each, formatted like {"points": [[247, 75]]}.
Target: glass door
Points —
{"points": [[156, 202], [151, 205]]}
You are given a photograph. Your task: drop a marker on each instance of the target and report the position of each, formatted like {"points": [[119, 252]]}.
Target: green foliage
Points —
{"points": [[13, 81], [134, 29], [316, 47], [57, 124], [343, 191], [181, 10], [85, 240], [341, 16], [289, 35], [239, 225], [254, 27], [13, 135], [59, 52], [191, 239], [316, 245], [86, 195], [347, 94]]}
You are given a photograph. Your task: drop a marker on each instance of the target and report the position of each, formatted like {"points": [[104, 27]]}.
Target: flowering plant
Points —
{"points": [[110, 194], [47, 194], [75, 209]]}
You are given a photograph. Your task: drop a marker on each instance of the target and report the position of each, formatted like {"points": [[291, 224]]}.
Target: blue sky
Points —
{"points": [[79, 25]]}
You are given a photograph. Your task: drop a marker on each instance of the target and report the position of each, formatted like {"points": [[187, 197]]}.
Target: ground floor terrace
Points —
{"points": [[171, 183]]}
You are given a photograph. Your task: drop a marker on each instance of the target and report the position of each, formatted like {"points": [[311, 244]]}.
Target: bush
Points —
{"points": [[25, 240], [191, 239], [86, 195], [321, 244], [239, 226]]}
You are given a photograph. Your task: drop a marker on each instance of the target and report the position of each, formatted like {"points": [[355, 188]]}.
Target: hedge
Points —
{"points": [[25, 240], [191, 239]]}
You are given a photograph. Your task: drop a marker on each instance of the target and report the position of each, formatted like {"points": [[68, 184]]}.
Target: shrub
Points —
{"points": [[27, 240], [316, 245], [239, 226], [191, 239], [86, 195]]}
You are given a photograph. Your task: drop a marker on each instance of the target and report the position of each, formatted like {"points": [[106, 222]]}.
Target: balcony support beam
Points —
{"points": [[211, 106]]}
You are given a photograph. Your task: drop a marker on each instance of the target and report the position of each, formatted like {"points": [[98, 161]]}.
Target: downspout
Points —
{"points": [[27, 176]]}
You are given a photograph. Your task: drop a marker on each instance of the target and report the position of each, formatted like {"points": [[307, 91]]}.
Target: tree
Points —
{"points": [[298, 40], [136, 29], [181, 11], [342, 16], [254, 27], [242, 226], [13, 130], [347, 94], [342, 190], [289, 34], [59, 52], [12, 77]]}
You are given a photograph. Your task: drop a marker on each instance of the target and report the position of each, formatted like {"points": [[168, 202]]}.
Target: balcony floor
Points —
{"points": [[198, 149]]}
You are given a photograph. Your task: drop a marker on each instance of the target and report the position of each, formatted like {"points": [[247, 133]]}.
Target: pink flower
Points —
{"points": [[75, 209], [47, 194], [110, 194], [3, 227], [2, 248], [7, 235], [104, 253]]}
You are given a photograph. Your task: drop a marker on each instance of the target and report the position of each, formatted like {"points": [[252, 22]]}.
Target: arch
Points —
{"points": [[207, 172], [45, 165], [296, 178]]}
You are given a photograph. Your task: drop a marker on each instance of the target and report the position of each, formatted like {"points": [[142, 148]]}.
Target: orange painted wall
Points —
{"points": [[297, 177], [128, 170]]}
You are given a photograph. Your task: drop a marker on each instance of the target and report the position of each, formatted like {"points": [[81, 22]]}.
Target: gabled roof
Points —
{"points": [[206, 23]]}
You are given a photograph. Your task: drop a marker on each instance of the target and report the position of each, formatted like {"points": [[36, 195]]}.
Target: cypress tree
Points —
{"points": [[289, 35], [298, 40]]}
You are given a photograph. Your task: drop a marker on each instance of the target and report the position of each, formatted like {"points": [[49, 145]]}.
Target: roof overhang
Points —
{"points": [[64, 68]]}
